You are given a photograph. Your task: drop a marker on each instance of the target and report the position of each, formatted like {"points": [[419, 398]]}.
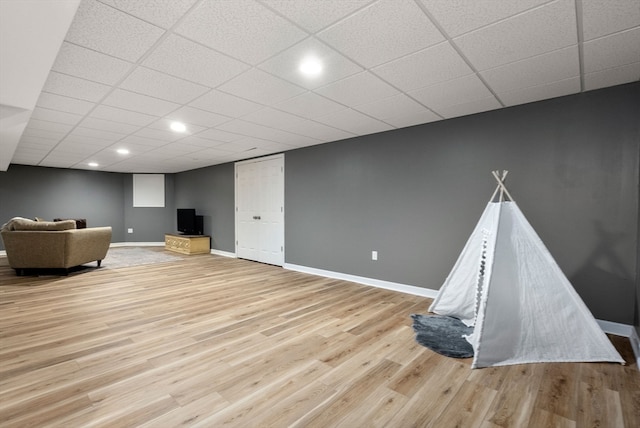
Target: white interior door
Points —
{"points": [[260, 210]]}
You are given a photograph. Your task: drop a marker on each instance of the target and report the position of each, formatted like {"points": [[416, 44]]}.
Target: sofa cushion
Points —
{"points": [[19, 223], [81, 223]]}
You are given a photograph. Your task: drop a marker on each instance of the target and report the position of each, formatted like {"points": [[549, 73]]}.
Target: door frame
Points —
{"points": [[235, 201]]}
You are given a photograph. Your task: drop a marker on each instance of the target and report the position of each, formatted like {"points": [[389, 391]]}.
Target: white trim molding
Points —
{"points": [[635, 345], [224, 253], [137, 244], [387, 285]]}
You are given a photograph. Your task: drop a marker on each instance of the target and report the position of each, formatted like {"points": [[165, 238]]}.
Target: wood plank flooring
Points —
{"points": [[211, 341]]}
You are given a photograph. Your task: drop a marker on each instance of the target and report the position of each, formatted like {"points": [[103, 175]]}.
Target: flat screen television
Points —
{"points": [[188, 222]]}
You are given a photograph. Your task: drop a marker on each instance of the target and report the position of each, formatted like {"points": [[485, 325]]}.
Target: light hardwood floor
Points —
{"points": [[211, 341]]}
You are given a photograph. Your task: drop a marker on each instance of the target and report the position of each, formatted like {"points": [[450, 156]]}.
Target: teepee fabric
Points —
{"points": [[507, 285]]}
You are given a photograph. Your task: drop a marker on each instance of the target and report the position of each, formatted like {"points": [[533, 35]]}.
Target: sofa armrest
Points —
{"points": [[34, 249], [85, 245]]}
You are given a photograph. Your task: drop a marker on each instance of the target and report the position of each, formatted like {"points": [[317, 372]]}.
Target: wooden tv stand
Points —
{"points": [[187, 244]]}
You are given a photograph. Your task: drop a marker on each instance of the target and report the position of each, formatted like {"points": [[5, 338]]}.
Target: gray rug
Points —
{"points": [[443, 335], [120, 257]]}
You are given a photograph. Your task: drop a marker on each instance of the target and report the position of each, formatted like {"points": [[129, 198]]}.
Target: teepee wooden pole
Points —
{"points": [[495, 192], [501, 186]]}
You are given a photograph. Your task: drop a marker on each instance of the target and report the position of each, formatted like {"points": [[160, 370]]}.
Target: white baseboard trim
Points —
{"points": [[635, 345], [3, 253], [387, 285], [137, 244], [161, 244], [224, 253], [616, 328]]}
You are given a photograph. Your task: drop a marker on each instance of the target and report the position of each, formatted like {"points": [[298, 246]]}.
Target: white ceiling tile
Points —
{"points": [[314, 15], [140, 103], [286, 65], [159, 85], [523, 51], [261, 87], [48, 115], [603, 17], [460, 16], [27, 157], [220, 136], [273, 118], [541, 92], [164, 124], [202, 142], [263, 32], [60, 161], [81, 147], [612, 51], [125, 116], [386, 108], [107, 156], [54, 129], [135, 149], [85, 140], [250, 129], [189, 60], [423, 68], [91, 65], [318, 131], [39, 138], [158, 134], [73, 87], [62, 103], [359, 89], [35, 143], [477, 106], [540, 30], [355, 122], [163, 13], [98, 130], [539, 70], [108, 125], [141, 142], [382, 32], [226, 104], [196, 116], [413, 118], [177, 149], [458, 91], [310, 105], [245, 144], [612, 76], [107, 30]]}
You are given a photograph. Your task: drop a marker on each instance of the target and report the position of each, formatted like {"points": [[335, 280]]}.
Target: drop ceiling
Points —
{"points": [[229, 70]]}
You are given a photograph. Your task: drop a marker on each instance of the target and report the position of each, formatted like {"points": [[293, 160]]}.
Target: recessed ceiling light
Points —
{"points": [[93, 164], [178, 126], [310, 66], [123, 151]]}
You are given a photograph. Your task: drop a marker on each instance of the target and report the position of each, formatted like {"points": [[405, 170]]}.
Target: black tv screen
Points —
{"points": [[187, 221]]}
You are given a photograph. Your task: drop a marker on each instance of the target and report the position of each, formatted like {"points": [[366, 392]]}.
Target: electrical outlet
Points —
{"points": [[374, 255], [130, 230]]}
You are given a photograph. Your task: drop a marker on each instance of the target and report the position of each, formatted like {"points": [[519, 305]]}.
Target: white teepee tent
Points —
{"points": [[507, 285]]}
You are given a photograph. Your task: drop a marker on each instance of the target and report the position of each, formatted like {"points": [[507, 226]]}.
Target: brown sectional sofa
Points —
{"points": [[52, 245]]}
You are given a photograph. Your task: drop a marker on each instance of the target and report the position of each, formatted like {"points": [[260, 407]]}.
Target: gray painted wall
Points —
{"points": [[149, 224], [415, 194], [49, 193], [103, 198], [211, 192]]}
